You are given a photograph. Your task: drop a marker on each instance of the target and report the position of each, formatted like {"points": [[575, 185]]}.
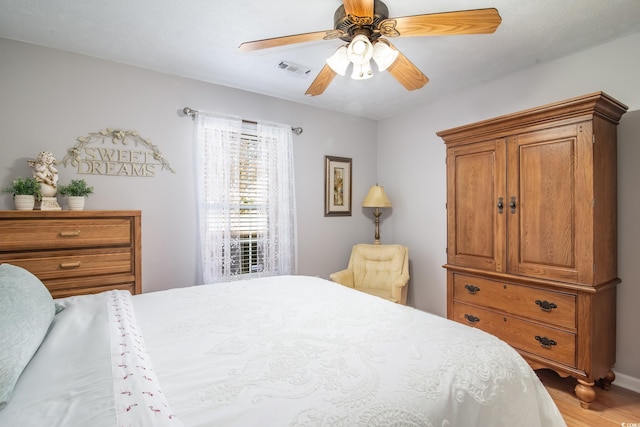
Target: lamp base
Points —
{"points": [[377, 214]]}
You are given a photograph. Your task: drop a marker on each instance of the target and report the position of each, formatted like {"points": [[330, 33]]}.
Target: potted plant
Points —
{"points": [[76, 191], [25, 192]]}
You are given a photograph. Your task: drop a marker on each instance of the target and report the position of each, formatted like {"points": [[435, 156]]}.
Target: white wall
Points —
{"points": [[629, 246], [49, 98], [411, 165]]}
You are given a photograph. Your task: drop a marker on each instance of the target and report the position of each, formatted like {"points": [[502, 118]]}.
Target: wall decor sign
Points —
{"points": [[337, 186], [116, 152]]}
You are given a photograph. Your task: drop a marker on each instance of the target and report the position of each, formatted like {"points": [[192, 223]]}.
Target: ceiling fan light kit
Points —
{"points": [[360, 52], [362, 23]]}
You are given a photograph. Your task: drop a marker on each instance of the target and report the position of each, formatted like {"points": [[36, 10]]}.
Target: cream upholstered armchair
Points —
{"points": [[381, 270]]}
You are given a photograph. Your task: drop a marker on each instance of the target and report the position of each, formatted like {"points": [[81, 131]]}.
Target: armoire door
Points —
{"points": [[477, 205], [549, 216]]}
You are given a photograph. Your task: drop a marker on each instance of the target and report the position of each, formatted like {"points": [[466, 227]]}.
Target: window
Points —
{"points": [[249, 219], [246, 198]]}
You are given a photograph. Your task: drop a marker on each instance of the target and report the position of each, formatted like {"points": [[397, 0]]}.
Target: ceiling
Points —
{"points": [[199, 39]]}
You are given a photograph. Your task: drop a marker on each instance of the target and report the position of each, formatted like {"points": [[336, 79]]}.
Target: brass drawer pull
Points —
{"points": [[471, 289], [546, 305], [471, 318], [70, 233], [70, 264], [545, 342]]}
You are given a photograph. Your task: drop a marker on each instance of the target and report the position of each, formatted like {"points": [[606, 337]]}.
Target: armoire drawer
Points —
{"points": [[543, 305], [534, 338], [69, 263], [64, 233]]}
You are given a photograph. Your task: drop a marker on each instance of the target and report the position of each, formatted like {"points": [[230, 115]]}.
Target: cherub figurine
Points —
{"points": [[45, 172]]}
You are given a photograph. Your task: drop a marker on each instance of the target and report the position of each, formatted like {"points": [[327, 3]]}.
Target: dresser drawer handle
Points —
{"points": [[70, 264], [471, 318], [471, 289], [70, 233], [545, 342], [546, 305]]}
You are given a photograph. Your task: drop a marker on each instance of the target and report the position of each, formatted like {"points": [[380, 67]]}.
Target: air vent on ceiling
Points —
{"points": [[295, 69]]}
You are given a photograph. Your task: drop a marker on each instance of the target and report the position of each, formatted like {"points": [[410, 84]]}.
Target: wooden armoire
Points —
{"points": [[532, 234]]}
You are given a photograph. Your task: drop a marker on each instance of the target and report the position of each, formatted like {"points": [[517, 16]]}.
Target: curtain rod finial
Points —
{"points": [[189, 112]]}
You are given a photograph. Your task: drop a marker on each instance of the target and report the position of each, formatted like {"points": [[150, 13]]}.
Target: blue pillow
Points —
{"points": [[26, 312]]}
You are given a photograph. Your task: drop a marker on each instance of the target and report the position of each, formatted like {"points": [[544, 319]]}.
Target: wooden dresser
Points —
{"points": [[532, 234], [75, 252]]}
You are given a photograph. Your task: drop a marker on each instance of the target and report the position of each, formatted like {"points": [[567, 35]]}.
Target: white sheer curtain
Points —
{"points": [[227, 216], [280, 242]]}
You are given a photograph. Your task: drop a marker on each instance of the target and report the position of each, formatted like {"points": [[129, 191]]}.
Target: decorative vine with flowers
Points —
{"points": [[109, 160]]}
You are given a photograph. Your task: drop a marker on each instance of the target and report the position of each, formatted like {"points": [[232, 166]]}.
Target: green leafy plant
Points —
{"points": [[24, 187], [77, 187]]}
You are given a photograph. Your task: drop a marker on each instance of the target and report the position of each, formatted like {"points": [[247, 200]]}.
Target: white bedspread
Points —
{"points": [[287, 351]]}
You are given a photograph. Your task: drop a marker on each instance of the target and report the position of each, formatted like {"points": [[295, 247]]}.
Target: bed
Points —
{"points": [[276, 351]]}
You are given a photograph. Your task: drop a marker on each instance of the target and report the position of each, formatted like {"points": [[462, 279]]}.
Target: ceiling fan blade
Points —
{"points": [[406, 73], [479, 21], [359, 8], [287, 40], [321, 82]]}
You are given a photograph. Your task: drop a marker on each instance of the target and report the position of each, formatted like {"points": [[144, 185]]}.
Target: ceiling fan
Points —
{"points": [[363, 23]]}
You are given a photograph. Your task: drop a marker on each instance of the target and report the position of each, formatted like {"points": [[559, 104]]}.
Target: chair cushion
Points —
{"points": [[376, 266]]}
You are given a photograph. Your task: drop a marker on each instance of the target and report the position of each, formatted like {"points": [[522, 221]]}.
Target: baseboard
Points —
{"points": [[628, 382]]}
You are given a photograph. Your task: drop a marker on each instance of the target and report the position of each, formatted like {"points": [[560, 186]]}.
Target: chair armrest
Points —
{"points": [[399, 289], [344, 277]]}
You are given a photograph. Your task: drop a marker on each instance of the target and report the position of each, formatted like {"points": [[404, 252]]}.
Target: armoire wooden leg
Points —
{"points": [[606, 381], [585, 392]]}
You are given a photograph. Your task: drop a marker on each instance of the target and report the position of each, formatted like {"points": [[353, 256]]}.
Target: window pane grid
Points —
{"points": [[246, 255]]}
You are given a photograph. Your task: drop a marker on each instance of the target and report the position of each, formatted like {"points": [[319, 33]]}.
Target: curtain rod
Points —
{"points": [[191, 112]]}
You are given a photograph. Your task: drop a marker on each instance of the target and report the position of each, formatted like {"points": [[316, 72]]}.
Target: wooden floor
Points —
{"points": [[614, 407]]}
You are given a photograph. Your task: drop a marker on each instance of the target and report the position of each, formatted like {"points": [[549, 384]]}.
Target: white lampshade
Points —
{"points": [[339, 61], [360, 50], [384, 55], [376, 198], [359, 46]]}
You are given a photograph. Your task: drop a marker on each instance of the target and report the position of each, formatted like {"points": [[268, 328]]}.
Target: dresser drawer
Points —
{"points": [[68, 264], [64, 233], [534, 338], [70, 289], [540, 304]]}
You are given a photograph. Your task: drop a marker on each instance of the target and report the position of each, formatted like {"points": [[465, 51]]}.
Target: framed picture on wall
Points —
{"points": [[337, 186]]}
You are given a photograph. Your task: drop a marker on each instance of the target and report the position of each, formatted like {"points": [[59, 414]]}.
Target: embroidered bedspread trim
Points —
{"points": [[139, 400]]}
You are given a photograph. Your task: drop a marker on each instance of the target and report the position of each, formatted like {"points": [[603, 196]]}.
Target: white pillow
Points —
{"points": [[26, 312]]}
